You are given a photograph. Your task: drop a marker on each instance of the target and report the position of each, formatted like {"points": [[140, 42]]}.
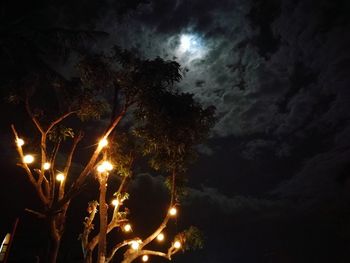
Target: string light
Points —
{"points": [[104, 166], [160, 237], [60, 177], [101, 169], [127, 227], [28, 158], [19, 142], [177, 244], [145, 258], [47, 166], [107, 165], [173, 211], [135, 245], [115, 202], [103, 143]]}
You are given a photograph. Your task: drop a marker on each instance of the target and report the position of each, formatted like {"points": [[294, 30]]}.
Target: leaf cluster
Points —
{"points": [[192, 238]]}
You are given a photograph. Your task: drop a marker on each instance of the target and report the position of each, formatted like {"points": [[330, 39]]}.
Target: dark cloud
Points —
{"points": [[278, 73]]}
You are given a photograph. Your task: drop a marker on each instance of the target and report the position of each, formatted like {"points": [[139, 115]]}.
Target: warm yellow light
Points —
{"points": [[47, 166], [135, 245], [60, 177], [173, 211], [101, 168], [127, 227], [28, 158], [145, 258], [177, 244], [160, 237], [115, 202], [107, 165], [104, 166], [103, 143], [19, 142]]}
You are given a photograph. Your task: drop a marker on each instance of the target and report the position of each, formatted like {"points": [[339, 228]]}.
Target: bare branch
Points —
{"points": [[156, 253], [27, 169], [58, 120], [117, 247], [76, 140], [88, 168], [88, 226], [52, 170], [32, 116], [163, 225], [38, 214]]}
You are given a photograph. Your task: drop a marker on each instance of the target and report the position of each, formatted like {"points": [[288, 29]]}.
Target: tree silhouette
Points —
{"points": [[166, 125]]}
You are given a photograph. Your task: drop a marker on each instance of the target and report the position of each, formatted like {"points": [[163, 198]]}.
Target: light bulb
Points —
{"points": [[160, 237], [177, 244], [60, 177], [145, 258], [28, 158], [47, 166], [135, 245], [107, 165], [101, 168], [127, 227], [104, 166], [19, 142], [115, 202], [103, 143], [173, 211]]}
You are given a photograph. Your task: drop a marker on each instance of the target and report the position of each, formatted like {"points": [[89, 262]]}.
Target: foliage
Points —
{"points": [[60, 132], [192, 238]]}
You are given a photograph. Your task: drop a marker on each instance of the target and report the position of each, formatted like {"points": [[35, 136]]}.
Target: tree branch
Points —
{"points": [[38, 214], [163, 225], [76, 140], [155, 253], [27, 169], [52, 170], [58, 120], [33, 118], [117, 247], [86, 171], [88, 226]]}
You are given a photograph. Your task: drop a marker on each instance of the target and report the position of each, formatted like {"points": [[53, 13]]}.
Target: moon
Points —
{"points": [[185, 43], [191, 46]]}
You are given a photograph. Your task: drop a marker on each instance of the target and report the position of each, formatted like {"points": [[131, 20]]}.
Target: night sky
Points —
{"points": [[272, 183]]}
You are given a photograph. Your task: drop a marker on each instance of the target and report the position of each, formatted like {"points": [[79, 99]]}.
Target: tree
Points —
{"points": [[167, 125]]}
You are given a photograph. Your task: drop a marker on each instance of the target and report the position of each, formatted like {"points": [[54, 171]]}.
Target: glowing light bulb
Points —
{"points": [[145, 258], [107, 165], [60, 177], [177, 244], [127, 227], [101, 168], [103, 143], [160, 237], [47, 166], [115, 202], [104, 166], [28, 158], [135, 245], [173, 211], [19, 142]]}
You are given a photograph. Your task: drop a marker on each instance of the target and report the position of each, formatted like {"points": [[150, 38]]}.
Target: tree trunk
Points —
{"points": [[101, 256], [88, 257], [57, 225], [53, 249]]}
